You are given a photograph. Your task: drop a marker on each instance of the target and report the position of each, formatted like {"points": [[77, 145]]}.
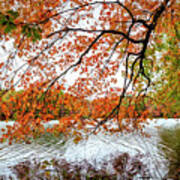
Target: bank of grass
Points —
{"points": [[170, 147], [123, 165], [48, 139]]}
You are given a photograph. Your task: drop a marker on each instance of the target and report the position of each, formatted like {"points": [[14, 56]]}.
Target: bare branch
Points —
{"points": [[97, 31], [77, 63], [140, 57]]}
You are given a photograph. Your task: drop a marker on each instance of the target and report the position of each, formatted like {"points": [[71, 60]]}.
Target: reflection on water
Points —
{"points": [[95, 149]]}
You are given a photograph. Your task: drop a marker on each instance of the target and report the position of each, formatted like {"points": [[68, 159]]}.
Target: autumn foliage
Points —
{"points": [[96, 40]]}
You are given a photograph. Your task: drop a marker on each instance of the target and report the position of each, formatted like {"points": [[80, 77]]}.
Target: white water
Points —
{"points": [[96, 149]]}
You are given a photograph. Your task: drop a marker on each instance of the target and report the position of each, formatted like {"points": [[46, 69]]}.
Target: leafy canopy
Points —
{"points": [[96, 40]]}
